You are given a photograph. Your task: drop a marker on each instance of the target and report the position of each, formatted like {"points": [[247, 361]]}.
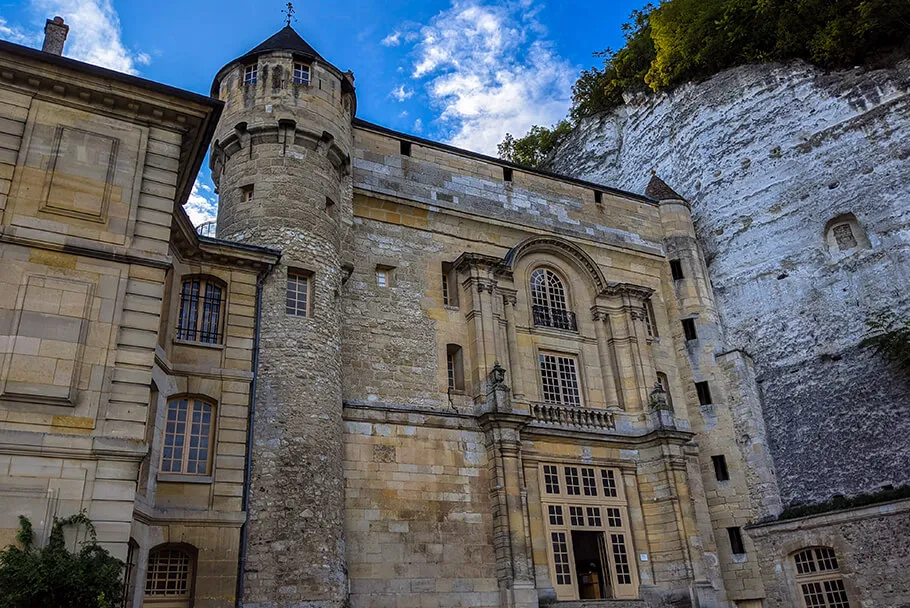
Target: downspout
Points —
{"points": [[244, 530]]}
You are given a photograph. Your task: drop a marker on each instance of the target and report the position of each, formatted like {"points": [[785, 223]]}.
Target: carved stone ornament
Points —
{"points": [[657, 398], [497, 376]]}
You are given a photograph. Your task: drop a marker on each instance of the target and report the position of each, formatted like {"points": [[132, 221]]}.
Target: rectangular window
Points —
{"points": [[187, 437], [561, 558], [650, 319], [736, 541], [609, 483], [405, 148], [555, 513], [676, 270], [598, 197], [301, 74], [572, 487], [594, 517], [507, 174], [704, 393], [621, 559], [577, 516], [455, 367], [559, 380], [588, 481], [551, 479], [720, 468], [449, 285], [382, 278], [250, 74], [614, 518], [200, 294], [688, 326], [298, 294]]}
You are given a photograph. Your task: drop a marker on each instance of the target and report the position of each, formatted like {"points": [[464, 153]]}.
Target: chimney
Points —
{"points": [[55, 32]]}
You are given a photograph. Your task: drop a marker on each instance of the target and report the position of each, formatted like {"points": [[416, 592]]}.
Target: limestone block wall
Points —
{"points": [[768, 155], [418, 518]]}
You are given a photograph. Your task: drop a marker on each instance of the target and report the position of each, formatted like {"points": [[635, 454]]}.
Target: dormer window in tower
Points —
{"points": [[302, 74], [246, 193], [250, 75]]}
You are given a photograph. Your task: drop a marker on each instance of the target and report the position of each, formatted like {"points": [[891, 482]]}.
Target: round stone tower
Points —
{"points": [[281, 164]]}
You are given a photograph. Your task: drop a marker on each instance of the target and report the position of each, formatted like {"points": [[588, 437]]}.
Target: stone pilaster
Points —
{"points": [[606, 355]]}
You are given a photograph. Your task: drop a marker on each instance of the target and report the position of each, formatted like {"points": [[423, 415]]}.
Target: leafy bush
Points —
{"points": [[532, 149], [890, 337], [54, 577]]}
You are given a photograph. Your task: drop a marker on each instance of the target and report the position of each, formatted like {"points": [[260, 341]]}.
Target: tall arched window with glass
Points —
{"points": [[548, 301], [201, 308]]}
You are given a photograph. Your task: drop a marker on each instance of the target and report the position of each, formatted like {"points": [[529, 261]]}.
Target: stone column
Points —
{"points": [[508, 303], [601, 317], [637, 527], [626, 363]]}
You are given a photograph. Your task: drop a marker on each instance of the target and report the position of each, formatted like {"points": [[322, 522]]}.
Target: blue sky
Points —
{"points": [[460, 71]]}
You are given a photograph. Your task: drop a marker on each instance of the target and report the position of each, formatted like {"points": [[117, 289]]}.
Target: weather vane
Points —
{"points": [[289, 14]]}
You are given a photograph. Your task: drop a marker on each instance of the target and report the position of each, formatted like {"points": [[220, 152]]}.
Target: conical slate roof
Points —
{"points": [[659, 190], [286, 39]]}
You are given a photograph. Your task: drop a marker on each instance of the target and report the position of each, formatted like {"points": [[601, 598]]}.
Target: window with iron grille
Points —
{"points": [[188, 434], [819, 579], [561, 558], [298, 294], [548, 301], [301, 74], [250, 74], [559, 379], [169, 575], [201, 310]]}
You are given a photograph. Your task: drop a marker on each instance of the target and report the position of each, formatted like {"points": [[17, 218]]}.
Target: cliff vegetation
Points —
{"points": [[684, 40]]}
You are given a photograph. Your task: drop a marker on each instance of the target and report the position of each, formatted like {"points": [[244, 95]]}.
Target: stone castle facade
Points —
{"points": [[402, 375]]}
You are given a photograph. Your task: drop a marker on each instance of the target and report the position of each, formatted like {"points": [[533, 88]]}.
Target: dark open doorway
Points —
{"points": [[591, 565]]}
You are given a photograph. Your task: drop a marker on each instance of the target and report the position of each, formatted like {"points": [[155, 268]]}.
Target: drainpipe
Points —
{"points": [[244, 530]]}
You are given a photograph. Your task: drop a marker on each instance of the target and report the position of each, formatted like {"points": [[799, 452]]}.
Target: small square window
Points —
{"points": [[250, 74], [405, 147], [383, 276], [704, 393], [720, 468], [676, 270], [507, 174], [301, 74], [689, 329], [246, 193], [736, 541], [598, 197]]}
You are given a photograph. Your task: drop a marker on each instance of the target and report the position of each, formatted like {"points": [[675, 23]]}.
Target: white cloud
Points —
{"points": [[393, 39], [94, 35], [201, 205], [402, 93], [489, 69], [418, 126], [18, 35]]}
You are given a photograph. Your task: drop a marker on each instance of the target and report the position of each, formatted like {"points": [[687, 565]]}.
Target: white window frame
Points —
{"points": [[250, 74], [302, 67]]}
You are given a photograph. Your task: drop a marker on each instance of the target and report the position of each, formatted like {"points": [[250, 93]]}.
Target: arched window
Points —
{"points": [[548, 301], [201, 310], [188, 433], [818, 576], [169, 581]]}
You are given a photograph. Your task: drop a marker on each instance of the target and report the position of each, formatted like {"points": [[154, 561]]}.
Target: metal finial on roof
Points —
{"points": [[288, 13]]}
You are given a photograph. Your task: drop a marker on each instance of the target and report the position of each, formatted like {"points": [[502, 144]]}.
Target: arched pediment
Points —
{"points": [[561, 248]]}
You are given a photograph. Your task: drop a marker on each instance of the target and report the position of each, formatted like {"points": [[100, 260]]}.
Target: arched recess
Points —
{"points": [[560, 248], [171, 576]]}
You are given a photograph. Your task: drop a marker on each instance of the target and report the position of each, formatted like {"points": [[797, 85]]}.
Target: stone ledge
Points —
{"points": [[831, 518]]}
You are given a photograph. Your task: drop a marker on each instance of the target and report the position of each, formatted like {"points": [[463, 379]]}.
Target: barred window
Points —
{"points": [[559, 379], [250, 74], [819, 579], [170, 576], [187, 437], [301, 74], [201, 316], [298, 295]]}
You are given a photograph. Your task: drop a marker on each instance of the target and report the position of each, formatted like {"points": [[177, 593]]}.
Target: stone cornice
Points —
{"points": [[155, 516], [192, 247]]}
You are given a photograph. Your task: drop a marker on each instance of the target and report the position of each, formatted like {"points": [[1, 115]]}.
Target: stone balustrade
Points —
{"points": [[567, 415]]}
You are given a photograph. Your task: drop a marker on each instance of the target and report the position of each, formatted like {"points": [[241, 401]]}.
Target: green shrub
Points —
{"points": [[532, 149], [890, 337], [53, 577]]}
